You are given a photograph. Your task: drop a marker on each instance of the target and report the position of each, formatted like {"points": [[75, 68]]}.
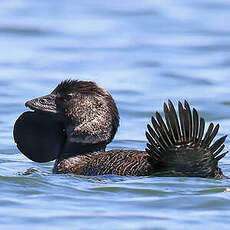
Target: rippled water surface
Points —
{"points": [[142, 52]]}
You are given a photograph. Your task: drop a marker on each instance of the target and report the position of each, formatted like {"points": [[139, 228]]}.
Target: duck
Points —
{"points": [[78, 119]]}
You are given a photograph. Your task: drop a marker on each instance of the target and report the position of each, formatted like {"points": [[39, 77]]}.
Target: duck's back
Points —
{"points": [[119, 162]]}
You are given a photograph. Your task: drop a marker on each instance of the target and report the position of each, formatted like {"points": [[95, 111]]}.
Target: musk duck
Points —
{"points": [[74, 123]]}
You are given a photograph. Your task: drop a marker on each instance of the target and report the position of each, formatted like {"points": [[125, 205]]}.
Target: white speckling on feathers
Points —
{"points": [[93, 118]]}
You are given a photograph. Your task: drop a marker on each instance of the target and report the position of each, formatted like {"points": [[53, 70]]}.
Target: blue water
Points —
{"points": [[142, 52]]}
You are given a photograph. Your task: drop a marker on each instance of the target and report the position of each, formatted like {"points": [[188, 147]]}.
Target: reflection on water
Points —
{"points": [[143, 53]]}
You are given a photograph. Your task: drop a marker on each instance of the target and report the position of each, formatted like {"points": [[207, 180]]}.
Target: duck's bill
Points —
{"points": [[43, 104], [38, 136]]}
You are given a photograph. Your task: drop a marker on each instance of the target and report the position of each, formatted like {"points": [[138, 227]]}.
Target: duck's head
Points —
{"points": [[77, 117]]}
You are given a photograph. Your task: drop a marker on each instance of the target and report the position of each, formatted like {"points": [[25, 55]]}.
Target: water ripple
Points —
{"points": [[143, 53]]}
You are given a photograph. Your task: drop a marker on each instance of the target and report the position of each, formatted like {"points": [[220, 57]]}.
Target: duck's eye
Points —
{"points": [[68, 97]]}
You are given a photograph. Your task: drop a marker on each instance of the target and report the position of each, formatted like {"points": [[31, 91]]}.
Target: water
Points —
{"points": [[143, 53]]}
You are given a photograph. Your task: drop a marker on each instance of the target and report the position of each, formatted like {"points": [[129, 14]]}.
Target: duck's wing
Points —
{"points": [[38, 136], [116, 161], [179, 144]]}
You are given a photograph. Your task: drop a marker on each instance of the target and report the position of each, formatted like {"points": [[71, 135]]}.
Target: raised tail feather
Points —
{"points": [[179, 145]]}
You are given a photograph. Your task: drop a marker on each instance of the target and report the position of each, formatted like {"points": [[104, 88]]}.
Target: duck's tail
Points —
{"points": [[180, 146]]}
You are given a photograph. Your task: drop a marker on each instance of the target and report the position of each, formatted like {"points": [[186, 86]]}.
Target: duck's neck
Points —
{"points": [[74, 149]]}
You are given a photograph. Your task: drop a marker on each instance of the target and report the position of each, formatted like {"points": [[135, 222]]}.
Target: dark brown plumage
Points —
{"points": [[88, 119], [119, 162], [182, 145]]}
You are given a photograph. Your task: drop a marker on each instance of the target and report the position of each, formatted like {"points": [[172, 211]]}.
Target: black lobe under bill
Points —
{"points": [[38, 136]]}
